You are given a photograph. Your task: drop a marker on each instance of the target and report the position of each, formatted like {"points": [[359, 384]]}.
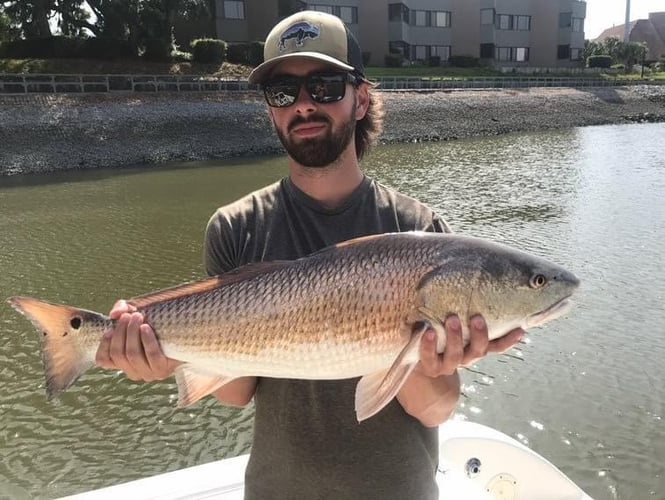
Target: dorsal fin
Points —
{"points": [[242, 273]]}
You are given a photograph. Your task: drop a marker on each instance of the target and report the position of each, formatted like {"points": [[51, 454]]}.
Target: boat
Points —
{"points": [[476, 462]]}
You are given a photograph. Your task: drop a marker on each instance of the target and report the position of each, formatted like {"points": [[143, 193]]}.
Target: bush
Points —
{"points": [[108, 48], [434, 61], [463, 61], [394, 60], [61, 47], [250, 53], [256, 53], [600, 61], [179, 56], [366, 58], [209, 50]]}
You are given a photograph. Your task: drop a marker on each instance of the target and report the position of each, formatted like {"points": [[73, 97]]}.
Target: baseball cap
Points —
{"points": [[314, 35]]}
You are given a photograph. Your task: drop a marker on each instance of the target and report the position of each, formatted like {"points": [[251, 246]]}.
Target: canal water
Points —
{"points": [[586, 391]]}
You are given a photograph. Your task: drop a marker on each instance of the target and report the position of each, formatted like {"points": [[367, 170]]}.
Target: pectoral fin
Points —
{"points": [[195, 383], [376, 390]]}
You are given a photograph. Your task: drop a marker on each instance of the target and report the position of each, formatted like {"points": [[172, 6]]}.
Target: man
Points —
{"points": [[307, 443]]}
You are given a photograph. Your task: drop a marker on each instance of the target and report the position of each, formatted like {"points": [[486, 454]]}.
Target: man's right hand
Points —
{"points": [[132, 347]]}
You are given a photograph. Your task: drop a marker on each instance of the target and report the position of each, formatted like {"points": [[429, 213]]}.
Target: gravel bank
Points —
{"points": [[40, 133]]}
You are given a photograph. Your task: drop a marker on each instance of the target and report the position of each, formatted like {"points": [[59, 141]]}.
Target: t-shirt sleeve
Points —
{"points": [[219, 255], [438, 225]]}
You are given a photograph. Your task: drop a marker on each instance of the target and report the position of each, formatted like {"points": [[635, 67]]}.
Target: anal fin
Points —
{"points": [[195, 383], [376, 390]]}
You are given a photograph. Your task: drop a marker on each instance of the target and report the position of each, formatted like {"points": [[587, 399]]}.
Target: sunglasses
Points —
{"points": [[323, 88]]}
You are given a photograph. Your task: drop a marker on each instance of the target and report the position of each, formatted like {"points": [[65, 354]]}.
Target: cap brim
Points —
{"points": [[263, 70]]}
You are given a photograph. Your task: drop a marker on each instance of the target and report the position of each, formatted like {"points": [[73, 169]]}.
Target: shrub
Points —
{"points": [[256, 53], [366, 58], [463, 61], [434, 61], [180, 56], [108, 48], [237, 53], [209, 50], [599, 61], [394, 60]]}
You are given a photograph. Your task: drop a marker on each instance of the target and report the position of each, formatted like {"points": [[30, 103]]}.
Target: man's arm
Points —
{"points": [[133, 348], [431, 392]]}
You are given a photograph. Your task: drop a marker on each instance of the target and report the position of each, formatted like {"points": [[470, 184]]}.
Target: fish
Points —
{"points": [[359, 308]]}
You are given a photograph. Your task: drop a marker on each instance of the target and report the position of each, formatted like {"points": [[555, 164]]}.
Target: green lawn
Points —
{"points": [[80, 66]]}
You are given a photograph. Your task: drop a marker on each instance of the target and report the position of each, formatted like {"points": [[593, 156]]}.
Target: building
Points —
{"points": [[540, 33], [650, 31]]}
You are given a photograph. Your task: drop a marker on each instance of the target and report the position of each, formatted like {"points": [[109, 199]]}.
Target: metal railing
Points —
{"points": [[40, 83]]}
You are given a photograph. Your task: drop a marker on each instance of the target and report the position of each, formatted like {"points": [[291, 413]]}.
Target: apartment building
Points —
{"points": [[540, 33]]}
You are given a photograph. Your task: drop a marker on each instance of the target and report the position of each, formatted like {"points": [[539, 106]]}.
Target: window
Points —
{"points": [[524, 23], [486, 16], [521, 54], [419, 17], [565, 19], [487, 51], [398, 12], [442, 51], [576, 54], [234, 9], [504, 22], [578, 24], [515, 54], [349, 14], [322, 8], [441, 19], [563, 52]]}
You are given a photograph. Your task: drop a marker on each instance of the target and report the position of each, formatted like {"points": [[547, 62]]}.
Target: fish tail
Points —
{"points": [[64, 355]]}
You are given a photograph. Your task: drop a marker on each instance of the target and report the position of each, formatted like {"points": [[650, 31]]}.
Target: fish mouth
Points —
{"points": [[556, 310]]}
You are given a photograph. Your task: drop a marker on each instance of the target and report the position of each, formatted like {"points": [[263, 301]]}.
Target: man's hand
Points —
{"points": [[433, 364], [133, 348], [431, 393]]}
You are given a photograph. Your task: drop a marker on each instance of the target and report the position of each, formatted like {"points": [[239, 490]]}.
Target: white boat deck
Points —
{"points": [[476, 463]]}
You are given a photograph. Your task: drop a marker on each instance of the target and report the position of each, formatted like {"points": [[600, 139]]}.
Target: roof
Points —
{"points": [[650, 31]]}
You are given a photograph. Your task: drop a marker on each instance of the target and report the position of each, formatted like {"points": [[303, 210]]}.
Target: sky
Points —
{"points": [[603, 14]]}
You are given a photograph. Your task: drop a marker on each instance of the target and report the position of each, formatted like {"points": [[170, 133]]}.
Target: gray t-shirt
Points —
{"points": [[307, 441]]}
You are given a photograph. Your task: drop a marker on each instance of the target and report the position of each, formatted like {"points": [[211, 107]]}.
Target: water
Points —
{"points": [[586, 391]]}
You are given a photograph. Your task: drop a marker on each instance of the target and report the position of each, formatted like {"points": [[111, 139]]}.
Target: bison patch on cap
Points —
{"points": [[300, 32]]}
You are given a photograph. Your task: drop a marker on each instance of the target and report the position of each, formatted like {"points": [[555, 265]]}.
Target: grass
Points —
{"points": [[228, 70], [135, 67]]}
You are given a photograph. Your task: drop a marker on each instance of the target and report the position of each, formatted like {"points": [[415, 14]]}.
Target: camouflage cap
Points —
{"points": [[313, 35]]}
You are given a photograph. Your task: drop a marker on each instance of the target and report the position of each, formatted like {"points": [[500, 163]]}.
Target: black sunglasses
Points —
{"points": [[323, 88]]}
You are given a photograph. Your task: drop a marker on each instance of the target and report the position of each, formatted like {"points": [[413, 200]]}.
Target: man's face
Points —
{"points": [[314, 134]]}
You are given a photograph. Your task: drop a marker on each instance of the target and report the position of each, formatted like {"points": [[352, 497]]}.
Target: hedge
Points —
{"points": [[463, 61], [599, 61], [209, 50], [250, 53], [61, 47]]}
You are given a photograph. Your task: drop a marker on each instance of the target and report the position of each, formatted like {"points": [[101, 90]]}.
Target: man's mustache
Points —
{"points": [[298, 120]]}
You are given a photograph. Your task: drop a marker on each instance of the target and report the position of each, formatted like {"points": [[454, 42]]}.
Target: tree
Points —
{"points": [[31, 17]]}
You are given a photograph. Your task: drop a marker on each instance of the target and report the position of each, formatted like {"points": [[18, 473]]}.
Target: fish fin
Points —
{"points": [[238, 275], [195, 383], [63, 357], [375, 390]]}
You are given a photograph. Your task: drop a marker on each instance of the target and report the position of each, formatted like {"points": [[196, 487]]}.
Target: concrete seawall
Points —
{"points": [[40, 133]]}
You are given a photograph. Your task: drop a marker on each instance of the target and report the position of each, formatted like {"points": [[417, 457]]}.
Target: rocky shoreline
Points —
{"points": [[42, 133]]}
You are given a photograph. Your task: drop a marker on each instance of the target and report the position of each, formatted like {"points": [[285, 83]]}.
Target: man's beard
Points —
{"points": [[319, 151]]}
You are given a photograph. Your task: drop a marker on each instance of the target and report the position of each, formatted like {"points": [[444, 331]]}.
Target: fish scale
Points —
{"points": [[351, 310]]}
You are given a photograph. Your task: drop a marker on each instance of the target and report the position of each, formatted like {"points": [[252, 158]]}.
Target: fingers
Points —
{"points": [[119, 308], [478, 341], [455, 353], [506, 342], [132, 347]]}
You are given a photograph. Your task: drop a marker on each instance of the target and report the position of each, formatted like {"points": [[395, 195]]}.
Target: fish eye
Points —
{"points": [[538, 281], [75, 322]]}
